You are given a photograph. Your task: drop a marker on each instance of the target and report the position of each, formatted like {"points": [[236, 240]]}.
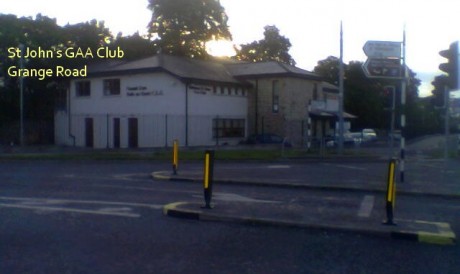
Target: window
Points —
{"points": [[112, 87], [275, 96], [83, 88], [315, 91], [228, 128]]}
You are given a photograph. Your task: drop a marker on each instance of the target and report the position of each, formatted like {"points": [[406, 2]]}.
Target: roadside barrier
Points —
{"points": [[175, 156], [391, 192], [208, 177]]}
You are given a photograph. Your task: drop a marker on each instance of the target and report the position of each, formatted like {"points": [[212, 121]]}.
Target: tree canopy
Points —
{"points": [[182, 27], [368, 99], [274, 47], [40, 95]]}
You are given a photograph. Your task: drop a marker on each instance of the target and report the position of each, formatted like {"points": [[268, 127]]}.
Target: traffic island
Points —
{"points": [[287, 216]]}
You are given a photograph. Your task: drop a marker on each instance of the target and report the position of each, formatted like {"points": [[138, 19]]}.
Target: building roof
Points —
{"points": [[331, 114], [270, 68], [183, 68], [328, 87], [192, 69]]}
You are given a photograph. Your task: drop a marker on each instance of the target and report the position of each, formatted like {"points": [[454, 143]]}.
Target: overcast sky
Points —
{"points": [[313, 26]]}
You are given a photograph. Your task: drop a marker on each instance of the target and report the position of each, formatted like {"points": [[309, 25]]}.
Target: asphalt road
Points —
{"points": [[105, 217]]}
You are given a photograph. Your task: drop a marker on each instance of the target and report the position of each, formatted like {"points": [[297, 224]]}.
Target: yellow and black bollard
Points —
{"points": [[175, 158], [208, 177], [391, 192]]}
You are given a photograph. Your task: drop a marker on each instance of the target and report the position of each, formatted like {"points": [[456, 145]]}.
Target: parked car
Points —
{"points": [[369, 135], [349, 139], [266, 138]]}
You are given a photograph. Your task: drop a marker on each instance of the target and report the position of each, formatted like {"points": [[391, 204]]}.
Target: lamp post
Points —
{"points": [[21, 97]]}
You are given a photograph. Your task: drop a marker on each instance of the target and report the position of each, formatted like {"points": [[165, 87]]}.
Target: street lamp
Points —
{"points": [[21, 97]]}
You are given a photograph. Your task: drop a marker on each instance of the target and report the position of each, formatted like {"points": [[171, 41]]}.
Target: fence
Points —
{"points": [[36, 132], [137, 130]]}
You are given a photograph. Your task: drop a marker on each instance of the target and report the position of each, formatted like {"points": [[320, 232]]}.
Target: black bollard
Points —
{"points": [[208, 177], [391, 192], [175, 157]]}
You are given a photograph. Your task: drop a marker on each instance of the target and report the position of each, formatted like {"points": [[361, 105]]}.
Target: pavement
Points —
{"points": [[340, 214]]}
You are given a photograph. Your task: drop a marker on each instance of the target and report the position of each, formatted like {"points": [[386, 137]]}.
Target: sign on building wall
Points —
{"points": [[142, 91]]}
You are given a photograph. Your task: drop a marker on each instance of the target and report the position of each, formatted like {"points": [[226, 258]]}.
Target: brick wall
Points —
{"points": [[290, 120]]}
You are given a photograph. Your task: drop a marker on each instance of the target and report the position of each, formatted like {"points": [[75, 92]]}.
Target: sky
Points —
{"points": [[313, 26]]}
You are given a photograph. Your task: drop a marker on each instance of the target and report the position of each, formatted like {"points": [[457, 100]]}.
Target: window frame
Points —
{"points": [[228, 128], [111, 87], [83, 88]]}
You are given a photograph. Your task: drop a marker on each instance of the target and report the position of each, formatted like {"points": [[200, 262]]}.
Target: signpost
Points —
{"points": [[382, 49], [382, 68], [384, 62], [384, 59]]}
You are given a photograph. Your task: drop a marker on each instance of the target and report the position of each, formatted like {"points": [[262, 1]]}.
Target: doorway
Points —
{"points": [[116, 132], [89, 132], [133, 133]]}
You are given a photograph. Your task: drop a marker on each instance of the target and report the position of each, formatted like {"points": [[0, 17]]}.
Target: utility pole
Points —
{"points": [[341, 93], [21, 97], [446, 123], [403, 109]]}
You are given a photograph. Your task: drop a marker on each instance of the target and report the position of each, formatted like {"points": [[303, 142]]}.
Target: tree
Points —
{"points": [[367, 99], [274, 47], [182, 27], [329, 69], [39, 95], [364, 98], [134, 46]]}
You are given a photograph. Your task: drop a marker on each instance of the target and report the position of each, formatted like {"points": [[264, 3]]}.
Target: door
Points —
{"points": [[116, 132], [89, 132], [133, 132]]}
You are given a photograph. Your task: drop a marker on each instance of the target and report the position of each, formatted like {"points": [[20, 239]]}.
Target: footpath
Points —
{"points": [[363, 216]]}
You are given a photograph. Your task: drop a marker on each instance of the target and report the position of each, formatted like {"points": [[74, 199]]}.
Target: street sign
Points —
{"points": [[382, 49], [382, 68]]}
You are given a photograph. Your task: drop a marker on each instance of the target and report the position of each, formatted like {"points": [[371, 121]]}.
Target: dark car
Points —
{"points": [[266, 138]]}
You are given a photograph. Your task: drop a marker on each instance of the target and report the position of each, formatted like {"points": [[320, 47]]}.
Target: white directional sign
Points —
{"points": [[382, 49], [382, 68]]}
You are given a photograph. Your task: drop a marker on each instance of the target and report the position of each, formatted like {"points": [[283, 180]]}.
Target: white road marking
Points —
{"points": [[41, 201], [122, 209], [367, 204], [236, 198], [346, 166], [115, 209], [132, 177], [143, 188], [73, 210], [278, 166]]}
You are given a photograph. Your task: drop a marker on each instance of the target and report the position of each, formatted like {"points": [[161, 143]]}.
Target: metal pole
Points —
{"points": [[21, 97], [392, 125], [309, 135], [166, 130], [403, 109], [446, 123], [341, 128], [108, 130]]}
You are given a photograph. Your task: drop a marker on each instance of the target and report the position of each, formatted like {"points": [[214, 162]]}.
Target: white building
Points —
{"points": [[151, 102]]}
